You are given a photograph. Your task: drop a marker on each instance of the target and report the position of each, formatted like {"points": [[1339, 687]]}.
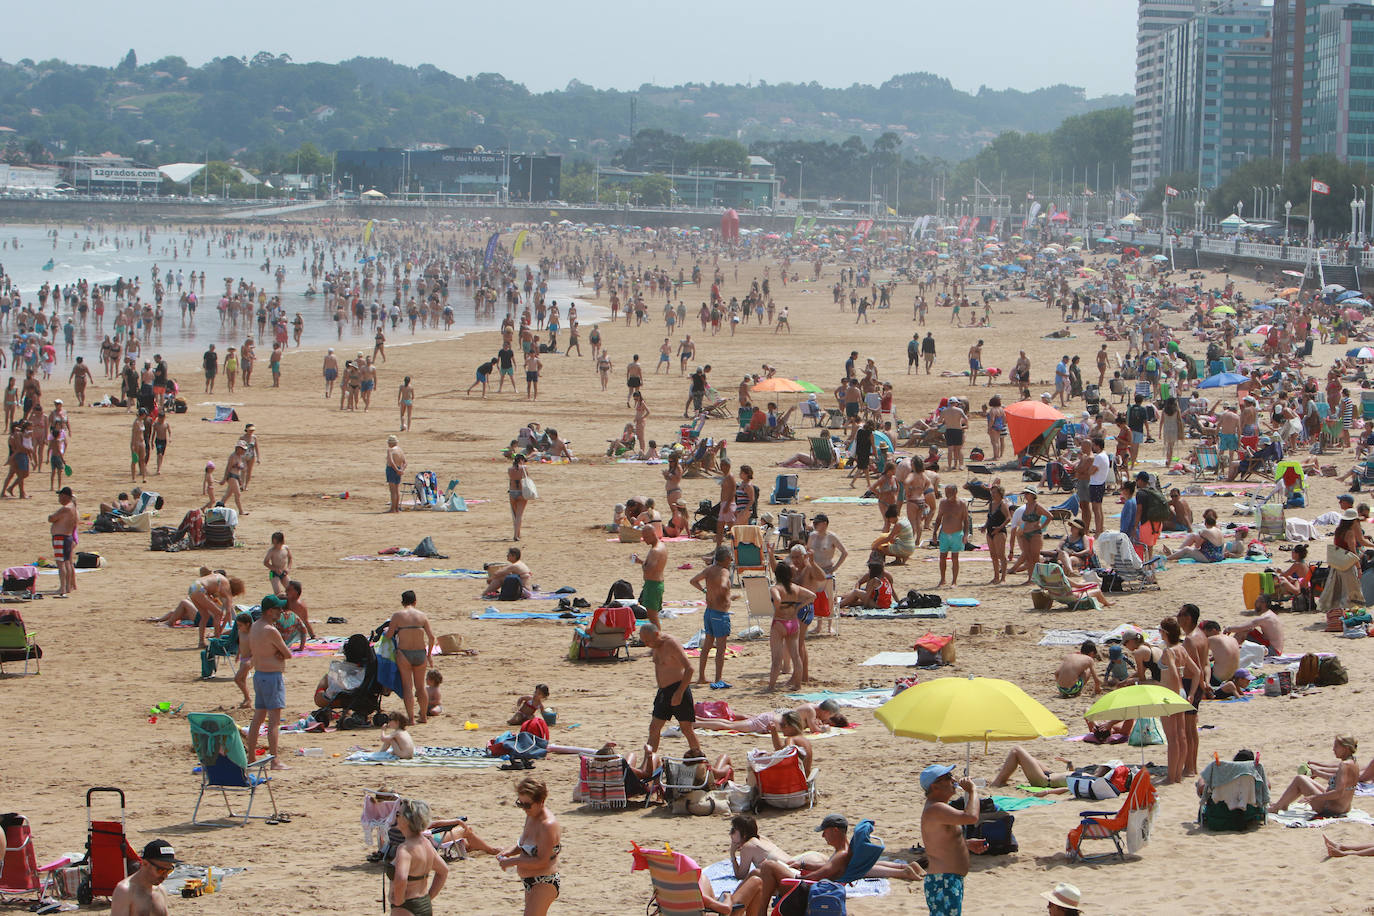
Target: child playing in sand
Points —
{"points": [[278, 562], [244, 623], [433, 701], [397, 741], [207, 486], [529, 706]]}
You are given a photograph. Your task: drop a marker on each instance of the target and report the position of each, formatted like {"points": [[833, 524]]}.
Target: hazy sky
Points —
{"points": [[1024, 44]]}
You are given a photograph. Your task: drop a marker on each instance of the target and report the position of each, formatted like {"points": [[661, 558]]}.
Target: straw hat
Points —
{"points": [[1065, 895]]}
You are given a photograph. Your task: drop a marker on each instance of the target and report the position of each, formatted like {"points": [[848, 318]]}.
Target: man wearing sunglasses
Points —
{"points": [[140, 894]]}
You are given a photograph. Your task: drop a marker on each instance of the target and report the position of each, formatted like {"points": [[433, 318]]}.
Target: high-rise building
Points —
{"points": [[1221, 82]]}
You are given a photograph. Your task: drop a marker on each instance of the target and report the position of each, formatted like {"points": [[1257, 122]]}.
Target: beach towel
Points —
{"points": [[175, 881], [869, 613], [1071, 637], [492, 613], [1365, 789], [444, 574], [896, 660], [723, 880], [730, 652], [962, 602], [1232, 561], [602, 782], [846, 500], [1016, 803], [1302, 815], [858, 699], [382, 557], [470, 757]]}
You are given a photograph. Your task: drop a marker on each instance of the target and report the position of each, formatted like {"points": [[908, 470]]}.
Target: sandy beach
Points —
{"points": [[84, 721]]}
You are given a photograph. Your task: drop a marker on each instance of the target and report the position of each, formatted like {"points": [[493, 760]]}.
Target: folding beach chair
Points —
{"points": [[1132, 822], [20, 582], [1116, 552], [785, 490], [1049, 578], [224, 763], [109, 856], [782, 779], [16, 642], [1243, 785], [20, 876], [823, 451], [606, 781], [751, 554], [424, 490], [680, 779], [864, 852], [607, 635], [450, 501], [758, 601], [689, 434], [791, 528], [676, 879], [810, 410], [713, 405]]}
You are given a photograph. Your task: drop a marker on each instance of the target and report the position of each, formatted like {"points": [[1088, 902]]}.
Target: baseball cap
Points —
{"points": [[1346, 498], [65, 491], [270, 601], [1114, 652], [932, 773], [834, 820], [159, 851]]}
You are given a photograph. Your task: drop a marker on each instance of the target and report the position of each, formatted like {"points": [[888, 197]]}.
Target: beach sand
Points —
{"points": [[84, 721]]}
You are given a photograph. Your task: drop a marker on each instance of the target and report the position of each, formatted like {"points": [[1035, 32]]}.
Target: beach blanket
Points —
{"points": [[491, 613], [470, 757], [673, 731], [1365, 789], [723, 881], [858, 699], [847, 500], [382, 557], [1016, 803], [1232, 561], [1076, 637], [321, 647], [895, 659], [684, 537], [730, 652], [871, 613], [445, 574], [1302, 815], [962, 602], [175, 881]]}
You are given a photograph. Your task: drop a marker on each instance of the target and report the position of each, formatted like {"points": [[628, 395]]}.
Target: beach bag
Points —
{"points": [[219, 535], [1331, 673], [426, 548], [162, 537], [1307, 670], [104, 523], [87, 560], [994, 827], [528, 489], [512, 589], [826, 899], [934, 651], [1145, 732]]}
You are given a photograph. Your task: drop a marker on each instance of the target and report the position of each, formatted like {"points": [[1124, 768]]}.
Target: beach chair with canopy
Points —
{"points": [[16, 642], [676, 879], [1131, 823], [224, 765], [782, 779], [1050, 579], [865, 850]]}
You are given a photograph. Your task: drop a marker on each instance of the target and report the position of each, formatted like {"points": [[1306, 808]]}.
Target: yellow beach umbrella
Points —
{"points": [[950, 710], [1139, 701], [1223, 310]]}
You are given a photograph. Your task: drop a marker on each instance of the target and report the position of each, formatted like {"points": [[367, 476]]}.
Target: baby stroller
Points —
{"points": [[707, 517], [109, 857], [358, 687]]}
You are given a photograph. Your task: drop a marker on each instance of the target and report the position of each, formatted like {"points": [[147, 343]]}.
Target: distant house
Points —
{"points": [[323, 113]]}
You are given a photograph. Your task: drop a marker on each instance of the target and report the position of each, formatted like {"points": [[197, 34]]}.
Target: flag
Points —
{"points": [[1170, 191], [491, 249], [797, 224], [519, 242], [1087, 192], [864, 227], [891, 212], [367, 233], [1320, 187]]}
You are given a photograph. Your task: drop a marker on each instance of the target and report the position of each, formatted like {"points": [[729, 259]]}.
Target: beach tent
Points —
{"points": [[1130, 219], [1027, 421], [373, 194], [1233, 222]]}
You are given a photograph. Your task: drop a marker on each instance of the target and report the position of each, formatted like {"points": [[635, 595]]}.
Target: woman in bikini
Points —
{"points": [[233, 476], [414, 645], [917, 486], [515, 478], [1177, 668], [999, 515], [535, 856], [416, 859], [672, 478], [405, 398], [1032, 536], [210, 599], [997, 426], [784, 634]]}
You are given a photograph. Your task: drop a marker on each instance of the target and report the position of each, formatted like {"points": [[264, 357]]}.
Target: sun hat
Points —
{"points": [[1350, 515], [1066, 896]]}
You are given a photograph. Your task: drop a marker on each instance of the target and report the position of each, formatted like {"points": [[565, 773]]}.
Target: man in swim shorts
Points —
{"points": [[63, 527], [270, 654], [673, 674], [714, 583], [395, 466], [1075, 669], [942, 830], [951, 518], [655, 562]]}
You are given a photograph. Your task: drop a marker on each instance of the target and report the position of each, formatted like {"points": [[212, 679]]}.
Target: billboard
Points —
{"points": [[115, 173]]}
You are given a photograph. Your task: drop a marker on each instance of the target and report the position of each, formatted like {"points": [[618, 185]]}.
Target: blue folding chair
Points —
{"points": [[785, 489], [224, 763]]}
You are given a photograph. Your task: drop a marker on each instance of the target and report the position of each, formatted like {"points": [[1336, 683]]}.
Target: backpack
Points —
{"points": [[1330, 672], [1308, 670], [1153, 506], [993, 826], [826, 899]]}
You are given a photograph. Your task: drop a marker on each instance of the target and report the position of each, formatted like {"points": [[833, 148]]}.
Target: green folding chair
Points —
{"points": [[224, 764]]}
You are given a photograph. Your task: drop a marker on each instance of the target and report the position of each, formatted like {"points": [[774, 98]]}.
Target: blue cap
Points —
{"points": [[932, 773]]}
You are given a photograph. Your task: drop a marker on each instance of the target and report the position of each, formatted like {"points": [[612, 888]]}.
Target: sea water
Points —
{"points": [[28, 249]]}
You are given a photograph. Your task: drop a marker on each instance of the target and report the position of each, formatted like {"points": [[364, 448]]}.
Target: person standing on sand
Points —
{"points": [[162, 434], [655, 563], [413, 654], [274, 363], [725, 515], [405, 400], [714, 583], [80, 377], [634, 379], [942, 832], [270, 655], [138, 446], [516, 475], [210, 362], [673, 675], [395, 467], [532, 366], [331, 372], [63, 527]]}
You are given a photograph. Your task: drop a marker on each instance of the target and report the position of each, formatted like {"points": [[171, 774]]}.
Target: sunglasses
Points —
{"points": [[524, 805]]}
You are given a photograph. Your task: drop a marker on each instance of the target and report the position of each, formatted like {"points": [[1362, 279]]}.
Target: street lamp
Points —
{"points": [[1198, 206], [1287, 212]]}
